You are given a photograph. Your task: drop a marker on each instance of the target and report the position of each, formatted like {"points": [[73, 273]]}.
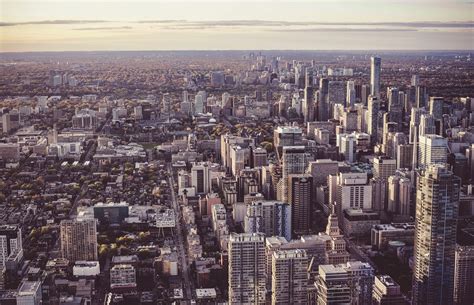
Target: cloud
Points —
{"points": [[46, 22], [196, 25], [104, 28], [343, 30]]}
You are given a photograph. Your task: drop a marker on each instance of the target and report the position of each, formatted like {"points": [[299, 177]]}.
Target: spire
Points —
{"points": [[332, 229]]}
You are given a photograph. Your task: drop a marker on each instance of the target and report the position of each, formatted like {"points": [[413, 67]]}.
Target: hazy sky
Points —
{"points": [[56, 25]]}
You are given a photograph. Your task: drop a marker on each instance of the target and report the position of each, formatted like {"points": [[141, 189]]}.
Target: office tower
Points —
{"points": [[320, 169], [415, 80], [387, 292], [347, 145], [464, 268], [336, 94], [384, 167], [379, 194], [227, 141], [372, 119], [404, 156], [199, 102], [123, 277], [333, 286], [295, 160], [349, 283], [336, 245], [259, 157], [289, 277], [421, 96], [166, 105], [437, 201], [300, 191], [375, 69], [415, 119], [217, 78], [200, 177], [436, 107], [427, 125], [353, 191], [287, 136], [364, 95], [79, 240], [247, 269], [350, 94], [273, 218], [432, 149], [29, 293], [350, 120], [11, 245], [362, 281], [395, 106], [399, 195], [323, 100], [308, 105]]}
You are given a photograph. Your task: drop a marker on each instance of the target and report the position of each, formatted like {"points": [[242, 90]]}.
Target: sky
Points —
{"points": [[88, 25]]}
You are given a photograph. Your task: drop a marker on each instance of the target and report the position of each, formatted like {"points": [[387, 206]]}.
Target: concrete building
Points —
{"points": [[432, 149], [247, 269], [384, 167], [29, 293], [11, 244], [287, 136], [79, 240], [123, 277], [353, 191], [289, 277], [381, 235], [200, 178], [435, 236], [464, 268], [387, 292], [273, 218]]}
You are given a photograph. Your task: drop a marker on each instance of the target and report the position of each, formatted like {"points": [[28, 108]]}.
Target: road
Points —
{"points": [[183, 258], [356, 252]]}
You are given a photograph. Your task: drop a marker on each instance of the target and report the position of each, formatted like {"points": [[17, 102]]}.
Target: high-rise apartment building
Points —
{"points": [[200, 177], [11, 245], [290, 277], [79, 240], [247, 269], [437, 201]]}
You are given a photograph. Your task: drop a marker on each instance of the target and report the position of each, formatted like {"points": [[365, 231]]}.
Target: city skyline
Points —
{"points": [[79, 25]]}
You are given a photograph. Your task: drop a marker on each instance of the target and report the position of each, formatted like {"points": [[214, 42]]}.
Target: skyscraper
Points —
{"points": [[289, 277], [432, 149], [79, 240], [436, 107], [323, 107], [437, 201], [350, 94], [299, 197], [372, 119], [295, 160], [464, 268], [375, 68], [247, 269], [308, 105], [273, 218]]}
